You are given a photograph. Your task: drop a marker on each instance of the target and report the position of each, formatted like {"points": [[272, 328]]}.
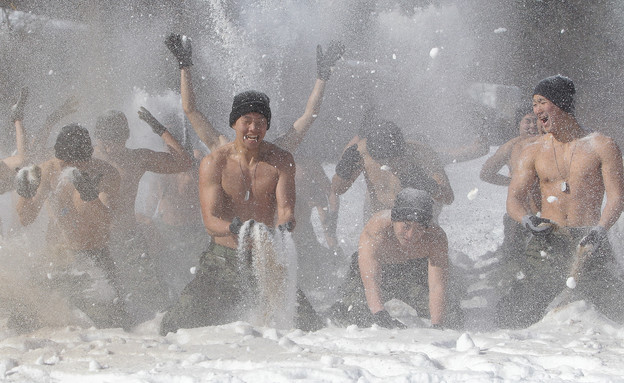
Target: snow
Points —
{"points": [[575, 343]]}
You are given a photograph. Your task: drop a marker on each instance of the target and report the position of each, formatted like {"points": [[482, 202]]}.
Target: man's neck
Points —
{"points": [[569, 131], [245, 154]]}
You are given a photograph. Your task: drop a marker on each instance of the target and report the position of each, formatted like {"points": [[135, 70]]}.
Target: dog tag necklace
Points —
{"points": [[250, 189], [565, 186]]}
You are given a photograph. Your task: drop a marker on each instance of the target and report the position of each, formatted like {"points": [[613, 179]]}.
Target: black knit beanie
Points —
{"points": [[73, 144], [559, 90], [412, 205], [250, 101], [385, 140]]}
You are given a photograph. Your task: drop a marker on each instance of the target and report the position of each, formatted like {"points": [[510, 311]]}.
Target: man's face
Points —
{"points": [[528, 125], [548, 114], [251, 129], [408, 232]]}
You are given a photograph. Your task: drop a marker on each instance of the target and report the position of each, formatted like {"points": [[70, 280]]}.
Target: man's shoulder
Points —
{"points": [[273, 152], [102, 165]]}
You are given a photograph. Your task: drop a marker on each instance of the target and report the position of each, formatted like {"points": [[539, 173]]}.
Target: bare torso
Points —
{"points": [[383, 177], [230, 187], [578, 164], [589, 166], [76, 224]]}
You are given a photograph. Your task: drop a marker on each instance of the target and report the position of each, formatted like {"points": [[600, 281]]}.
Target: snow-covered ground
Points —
{"points": [[574, 344]]}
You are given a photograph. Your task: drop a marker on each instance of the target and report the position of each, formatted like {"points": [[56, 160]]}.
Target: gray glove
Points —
{"points": [[87, 186], [17, 110], [595, 237], [27, 181], [538, 225], [236, 225], [156, 126], [180, 46], [350, 162], [324, 62]]}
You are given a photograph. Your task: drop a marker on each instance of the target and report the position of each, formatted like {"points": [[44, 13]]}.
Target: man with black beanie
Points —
{"points": [[390, 163], [402, 254], [574, 168], [80, 193]]}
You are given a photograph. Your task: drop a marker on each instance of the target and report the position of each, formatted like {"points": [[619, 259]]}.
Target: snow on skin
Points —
{"points": [[575, 343]]}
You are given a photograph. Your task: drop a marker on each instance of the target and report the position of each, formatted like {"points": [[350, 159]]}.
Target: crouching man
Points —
{"points": [[401, 255]]}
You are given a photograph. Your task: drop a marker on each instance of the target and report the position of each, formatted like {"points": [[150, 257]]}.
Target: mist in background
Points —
{"points": [[443, 70]]}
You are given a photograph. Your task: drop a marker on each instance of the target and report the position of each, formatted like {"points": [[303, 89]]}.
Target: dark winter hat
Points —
{"points": [[385, 140], [250, 101], [73, 144], [112, 125], [412, 205], [559, 90]]}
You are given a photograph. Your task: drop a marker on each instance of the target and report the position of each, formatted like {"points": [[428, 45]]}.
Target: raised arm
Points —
{"points": [[181, 48], [17, 115], [324, 63], [348, 168], [177, 160]]}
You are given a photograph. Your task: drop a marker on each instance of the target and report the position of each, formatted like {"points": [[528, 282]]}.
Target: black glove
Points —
{"points": [[236, 225], [27, 181], [156, 126], [596, 236], [87, 186], [17, 110], [324, 62], [350, 162], [537, 225], [181, 48], [383, 319], [286, 227], [416, 177]]}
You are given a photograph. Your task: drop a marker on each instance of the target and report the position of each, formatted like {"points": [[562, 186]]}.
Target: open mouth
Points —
{"points": [[251, 138]]}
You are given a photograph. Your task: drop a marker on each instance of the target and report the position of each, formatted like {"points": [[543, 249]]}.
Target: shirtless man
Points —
{"points": [[401, 254], [181, 48], [390, 164], [144, 290], [575, 168], [248, 179], [79, 192]]}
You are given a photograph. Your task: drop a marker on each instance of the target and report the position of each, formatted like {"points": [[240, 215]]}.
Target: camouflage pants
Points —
{"points": [[90, 283], [221, 292], [542, 272], [406, 281]]}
